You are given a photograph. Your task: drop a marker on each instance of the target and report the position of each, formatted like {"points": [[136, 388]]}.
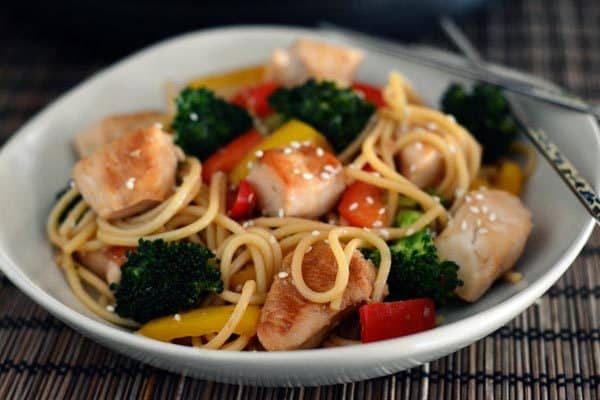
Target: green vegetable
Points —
{"points": [[416, 269], [339, 114], [486, 113], [69, 206], [204, 123], [161, 278]]}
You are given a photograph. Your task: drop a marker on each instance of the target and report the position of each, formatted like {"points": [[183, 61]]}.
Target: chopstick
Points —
{"points": [[567, 171], [479, 72], [483, 74]]}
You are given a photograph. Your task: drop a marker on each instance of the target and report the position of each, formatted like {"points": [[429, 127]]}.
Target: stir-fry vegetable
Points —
{"points": [[204, 123], [339, 114], [362, 205], [486, 114], [255, 99], [226, 158], [370, 93], [509, 177], [243, 201], [200, 322], [380, 321], [228, 83]]}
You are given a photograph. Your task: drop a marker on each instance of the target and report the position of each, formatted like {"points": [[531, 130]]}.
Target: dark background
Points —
{"points": [[550, 351]]}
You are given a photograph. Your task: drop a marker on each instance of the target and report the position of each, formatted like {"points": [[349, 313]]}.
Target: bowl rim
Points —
{"points": [[431, 342]]}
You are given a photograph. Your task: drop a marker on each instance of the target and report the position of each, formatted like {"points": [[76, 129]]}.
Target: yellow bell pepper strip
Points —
{"points": [[509, 178], [243, 275], [229, 83], [291, 131], [200, 322]]}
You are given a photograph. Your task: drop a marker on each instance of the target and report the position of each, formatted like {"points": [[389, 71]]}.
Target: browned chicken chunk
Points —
{"points": [[113, 127], [422, 164], [289, 321], [106, 262], [128, 175], [486, 237], [298, 182], [311, 59]]}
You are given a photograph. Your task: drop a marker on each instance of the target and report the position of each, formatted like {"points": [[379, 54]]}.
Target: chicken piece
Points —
{"points": [[298, 182], [422, 164], [106, 262], [486, 237], [288, 321], [128, 175], [113, 127], [311, 59]]}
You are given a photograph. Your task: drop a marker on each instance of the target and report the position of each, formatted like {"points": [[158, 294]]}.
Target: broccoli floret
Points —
{"points": [[416, 268], [161, 278], [69, 206], [339, 114], [204, 123], [485, 112]]}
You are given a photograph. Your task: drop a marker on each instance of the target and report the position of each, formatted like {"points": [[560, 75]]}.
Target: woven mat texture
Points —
{"points": [[551, 351]]}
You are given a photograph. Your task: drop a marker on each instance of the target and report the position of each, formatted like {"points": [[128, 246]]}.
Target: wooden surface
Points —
{"points": [[551, 351]]}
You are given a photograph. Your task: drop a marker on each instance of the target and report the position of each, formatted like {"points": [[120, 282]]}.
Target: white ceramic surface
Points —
{"points": [[38, 159]]}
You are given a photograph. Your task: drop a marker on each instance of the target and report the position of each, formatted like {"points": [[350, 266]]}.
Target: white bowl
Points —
{"points": [[38, 159]]}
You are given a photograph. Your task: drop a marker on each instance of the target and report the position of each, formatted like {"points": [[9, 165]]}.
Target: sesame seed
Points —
{"points": [[451, 118], [377, 224], [459, 192], [329, 168], [238, 287], [377, 174], [281, 213], [308, 176], [272, 240], [282, 275], [419, 146], [483, 231], [130, 183], [110, 308], [245, 224], [492, 217], [463, 226], [259, 153], [385, 233], [468, 198], [366, 229], [353, 166], [287, 151], [369, 200], [452, 149], [320, 152], [135, 153], [315, 233], [410, 231], [326, 241], [158, 125], [412, 168], [177, 317], [484, 209], [306, 143], [381, 211], [194, 116], [478, 222], [297, 171], [437, 198], [432, 126], [474, 210], [479, 196], [325, 175], [308, 249], [353, 206], [426, 312], [71, 183], [295, 144]]}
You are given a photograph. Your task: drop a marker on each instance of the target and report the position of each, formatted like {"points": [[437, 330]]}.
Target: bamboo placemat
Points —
{"points": [[551, 351]]}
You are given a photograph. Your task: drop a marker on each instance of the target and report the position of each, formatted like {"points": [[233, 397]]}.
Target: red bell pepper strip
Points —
{"points": [[226, 158], [370, 93], [243, 201], [362, 206], [255, 99], [380, 321]]}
